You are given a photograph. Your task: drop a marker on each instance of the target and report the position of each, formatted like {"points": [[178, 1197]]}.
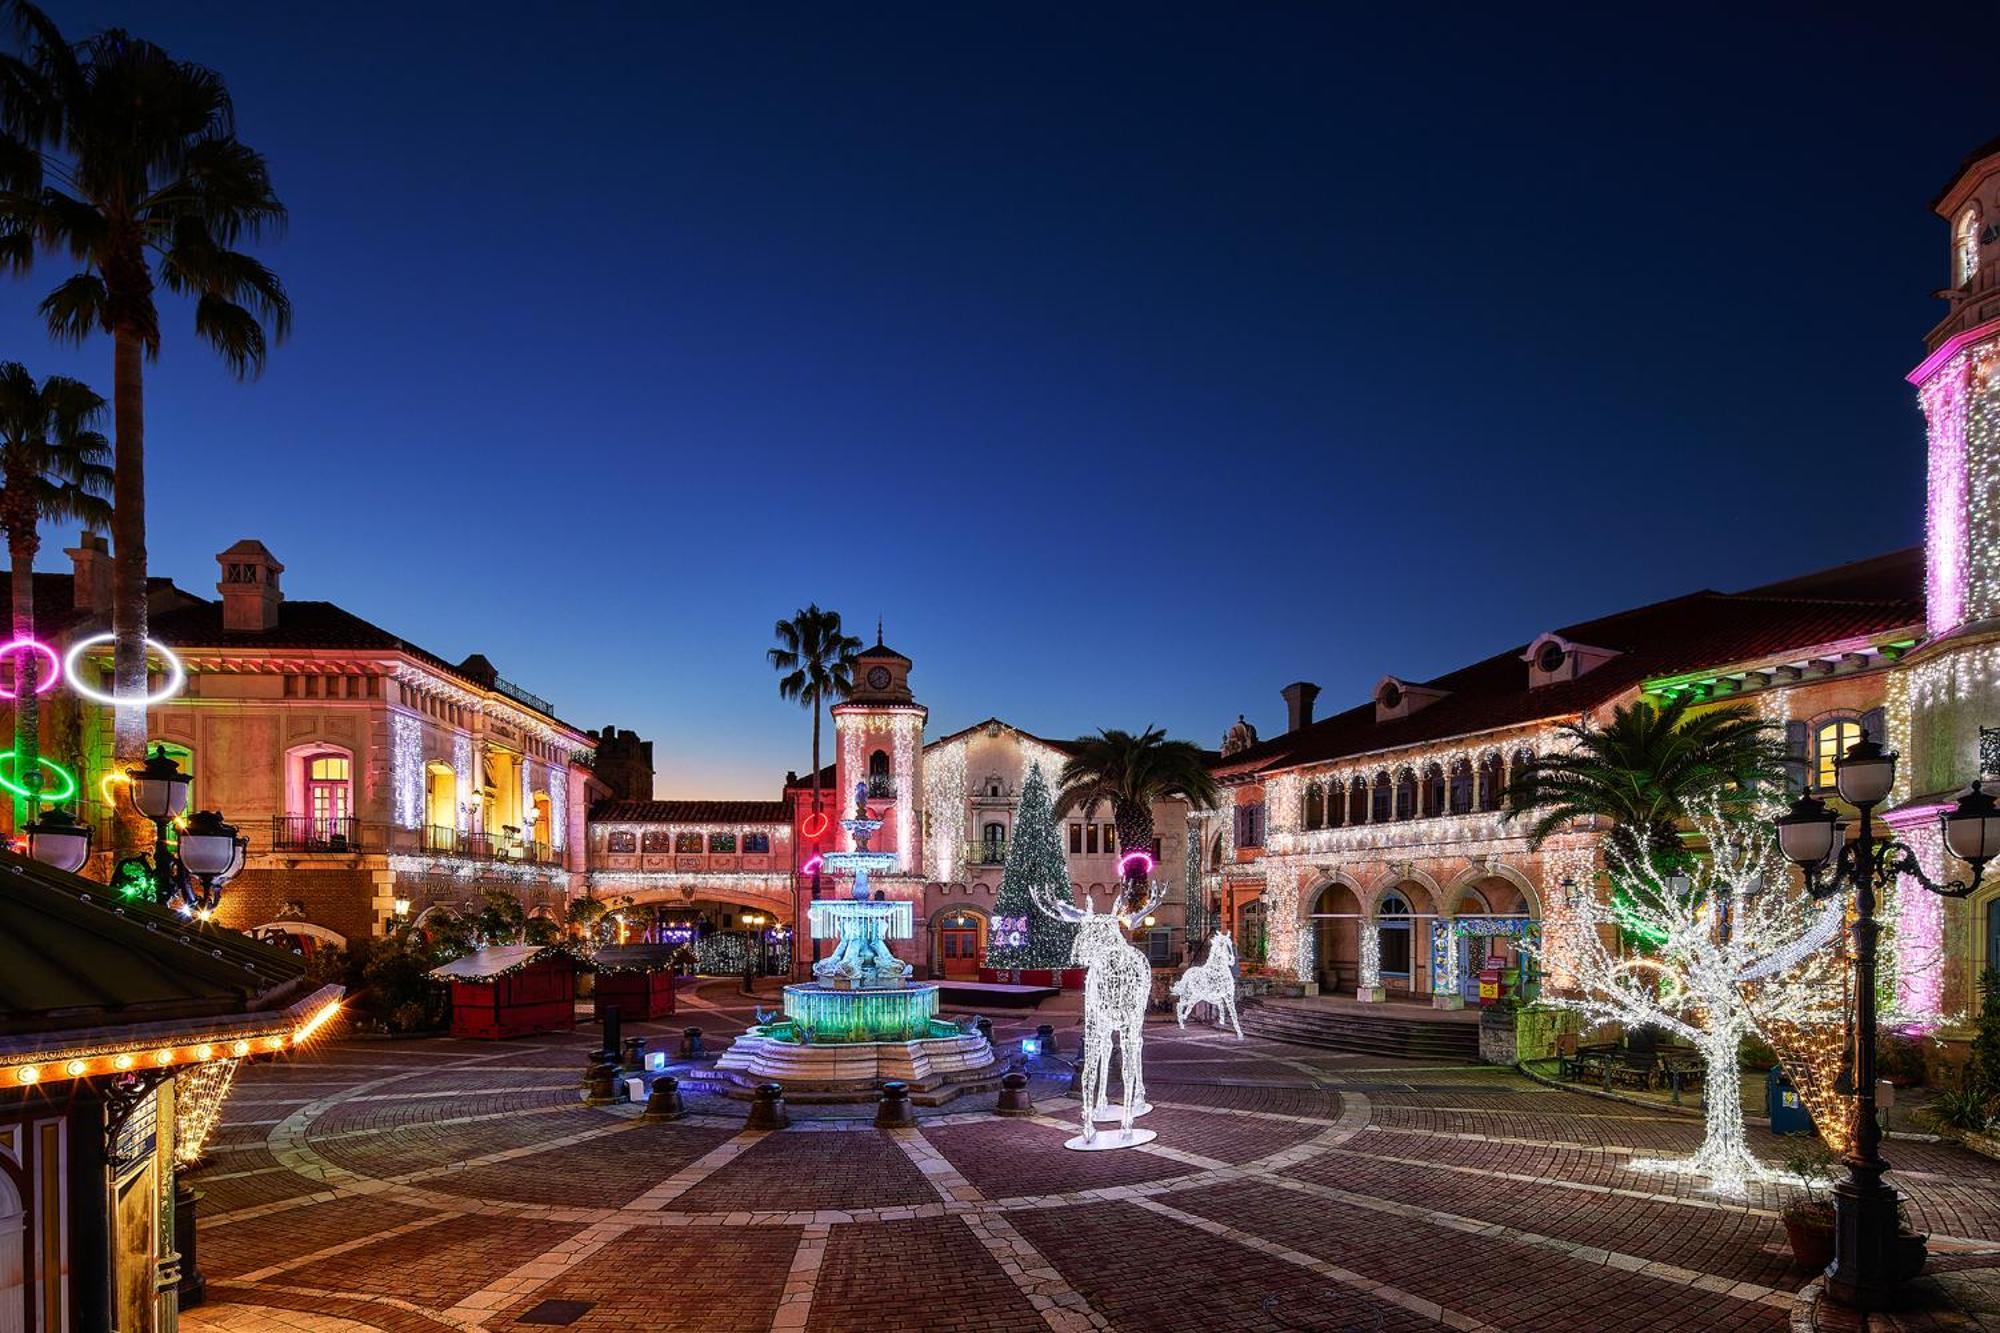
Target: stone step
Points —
{"points": [[1369, 1034]]}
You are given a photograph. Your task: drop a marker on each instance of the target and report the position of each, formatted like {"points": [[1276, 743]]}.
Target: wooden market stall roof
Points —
{"points": [[636, 957], [497, 960]]}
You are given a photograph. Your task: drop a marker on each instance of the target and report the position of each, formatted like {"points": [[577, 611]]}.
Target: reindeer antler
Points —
{"points": [[1155, 896], [1062, 909]]}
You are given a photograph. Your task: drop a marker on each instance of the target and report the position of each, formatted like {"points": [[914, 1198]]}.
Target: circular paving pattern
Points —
{"points": [[433, 1185]]}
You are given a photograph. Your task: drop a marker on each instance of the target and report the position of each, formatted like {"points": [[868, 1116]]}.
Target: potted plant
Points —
{"points": [[1808, 1214]]}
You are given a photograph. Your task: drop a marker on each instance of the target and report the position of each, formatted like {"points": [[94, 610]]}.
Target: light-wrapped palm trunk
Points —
{"points": [[128, 588], [21, 546]]}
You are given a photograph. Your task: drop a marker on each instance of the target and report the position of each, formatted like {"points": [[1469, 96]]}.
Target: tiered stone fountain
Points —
{"points": [[861, 1020]]}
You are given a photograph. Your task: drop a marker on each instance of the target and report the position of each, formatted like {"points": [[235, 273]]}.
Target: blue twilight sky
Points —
{"points": [[1130, 362]]}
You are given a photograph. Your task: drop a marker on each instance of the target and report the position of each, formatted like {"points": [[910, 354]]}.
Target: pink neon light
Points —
{"points": [[43, 684], [812, 865], [1945, 510], [1919, 939], [1144, 858]]}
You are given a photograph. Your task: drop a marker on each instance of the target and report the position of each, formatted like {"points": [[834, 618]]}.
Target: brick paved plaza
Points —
{"points": [[434, 1185]]}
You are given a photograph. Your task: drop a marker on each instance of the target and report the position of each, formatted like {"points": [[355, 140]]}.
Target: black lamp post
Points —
{"points": [[210, 852], [1868, 1256]]}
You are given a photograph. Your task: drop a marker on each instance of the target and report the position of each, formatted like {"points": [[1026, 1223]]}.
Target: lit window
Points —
{"points": [[1968, 245], [1830, 742], [1076, 840], [756, 844]]}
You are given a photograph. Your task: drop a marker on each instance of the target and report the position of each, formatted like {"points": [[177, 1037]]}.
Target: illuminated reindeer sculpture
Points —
{"points": [[1117, 983], [1212, 983]]}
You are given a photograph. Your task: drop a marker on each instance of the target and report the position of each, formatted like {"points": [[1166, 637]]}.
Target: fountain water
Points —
{"points": [[861, 1021]]}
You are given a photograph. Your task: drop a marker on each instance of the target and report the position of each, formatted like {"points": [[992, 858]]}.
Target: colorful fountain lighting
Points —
{"points": [[43, 684]]}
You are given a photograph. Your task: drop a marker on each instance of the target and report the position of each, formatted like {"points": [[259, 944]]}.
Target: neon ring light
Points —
{"points": [[1145, 860], [63, 775], [814, 824], [176, 676], [55, 664]]}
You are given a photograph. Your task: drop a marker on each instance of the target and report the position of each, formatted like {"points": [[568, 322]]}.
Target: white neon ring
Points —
{"points": [[176, 676]]}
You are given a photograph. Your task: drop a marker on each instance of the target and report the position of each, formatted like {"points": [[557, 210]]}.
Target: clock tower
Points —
{"points": [[879, 738]]}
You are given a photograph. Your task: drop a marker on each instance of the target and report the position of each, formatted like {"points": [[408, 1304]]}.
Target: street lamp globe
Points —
{"points": [[235, 863], [1864, 775], [159, 788], [208, 845], [56, 839], [1805, 832], [1972, 828]]}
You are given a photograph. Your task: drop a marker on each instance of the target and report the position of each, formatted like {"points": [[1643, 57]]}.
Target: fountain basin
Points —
{"points": [[824, 1014]]}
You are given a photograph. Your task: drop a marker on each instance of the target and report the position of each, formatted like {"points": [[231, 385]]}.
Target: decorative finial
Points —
{"points": [[878, 631]]}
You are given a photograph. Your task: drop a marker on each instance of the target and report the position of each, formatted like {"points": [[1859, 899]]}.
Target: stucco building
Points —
{"points": [[1369, 851], [366, 772]]}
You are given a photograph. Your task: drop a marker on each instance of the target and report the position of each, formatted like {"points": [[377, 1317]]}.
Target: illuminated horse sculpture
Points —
{"points": [[1212, 983], [1117, 983]]}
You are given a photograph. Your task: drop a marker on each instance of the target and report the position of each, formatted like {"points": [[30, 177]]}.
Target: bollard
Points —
{"points": [[608, 1016], [635, 1053], [664, 1101], [984, 1027], [590, 1063], [894, 1110], [597, 1087], [768, 1110], [690, 1042], [1014, 1098], [1045, 1037]]}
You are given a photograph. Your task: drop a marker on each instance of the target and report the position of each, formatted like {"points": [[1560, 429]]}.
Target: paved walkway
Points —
{"points": [[440, 1185]]}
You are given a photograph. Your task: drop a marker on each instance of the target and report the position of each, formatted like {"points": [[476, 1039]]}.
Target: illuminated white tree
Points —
{"points": [[1727, 944]]}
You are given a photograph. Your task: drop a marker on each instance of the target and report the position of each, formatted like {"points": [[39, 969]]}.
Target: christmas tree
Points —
{"points": [[1021, 936]]}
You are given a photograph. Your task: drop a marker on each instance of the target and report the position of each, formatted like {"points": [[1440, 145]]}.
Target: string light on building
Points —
{"points": [[406, 769]]}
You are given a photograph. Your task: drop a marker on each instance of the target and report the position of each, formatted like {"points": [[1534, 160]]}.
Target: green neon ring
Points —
{"points": [[51, 798]]}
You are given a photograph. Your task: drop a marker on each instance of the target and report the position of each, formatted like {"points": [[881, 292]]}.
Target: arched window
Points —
{"points": [[880, 787], [1315, 806], [1406, 794], [1830, 741], [1394, 914], [1433, 791], [1967, 256], [1461, 786], [993, 844], [1251, 925], [1336, 803], [329, 790], [1522, 758], [1380, 808], [1357, 800], [1492, 782]]}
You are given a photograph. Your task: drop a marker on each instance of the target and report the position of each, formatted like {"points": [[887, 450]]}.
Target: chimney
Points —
{"points": [[1299, 696], [91, 559], [249, 588]]}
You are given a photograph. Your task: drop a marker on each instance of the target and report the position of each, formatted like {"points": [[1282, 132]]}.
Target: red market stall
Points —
{"points": [[636, 979], [511, 990]]}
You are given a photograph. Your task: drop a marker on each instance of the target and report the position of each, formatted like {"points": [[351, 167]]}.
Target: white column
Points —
{"points": [[1368, 946], [1453, 998]]}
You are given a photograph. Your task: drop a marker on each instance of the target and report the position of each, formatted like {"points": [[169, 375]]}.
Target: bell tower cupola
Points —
{"points": [[879, 731]]}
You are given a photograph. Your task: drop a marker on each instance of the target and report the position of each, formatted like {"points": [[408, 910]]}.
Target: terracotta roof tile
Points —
{"points": [[690, 812], [1701, 630]]}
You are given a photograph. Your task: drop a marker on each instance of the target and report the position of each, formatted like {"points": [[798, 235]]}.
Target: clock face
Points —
{"points": [[878, 678]]}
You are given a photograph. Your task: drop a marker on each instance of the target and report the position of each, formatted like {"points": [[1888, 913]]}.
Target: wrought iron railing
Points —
{"points": [[315, 833]]}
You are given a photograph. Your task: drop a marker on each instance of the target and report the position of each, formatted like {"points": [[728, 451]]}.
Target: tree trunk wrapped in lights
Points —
{"points": [[1736, 949], [1021, 937]]}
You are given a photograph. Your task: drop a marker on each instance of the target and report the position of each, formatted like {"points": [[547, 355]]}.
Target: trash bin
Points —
{"points": [[1782, 1103]]}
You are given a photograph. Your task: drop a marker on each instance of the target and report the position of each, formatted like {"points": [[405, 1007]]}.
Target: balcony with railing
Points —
{"points": [[986, 854], [315, 834]]}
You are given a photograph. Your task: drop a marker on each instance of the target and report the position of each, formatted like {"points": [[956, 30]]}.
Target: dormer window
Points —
{"points": [[1966, 249], [1551, 658], [1398, 698]]}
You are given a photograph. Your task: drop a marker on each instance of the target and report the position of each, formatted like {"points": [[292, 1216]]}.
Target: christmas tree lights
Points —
{"points": [[1034, 860], [1740, 951]]}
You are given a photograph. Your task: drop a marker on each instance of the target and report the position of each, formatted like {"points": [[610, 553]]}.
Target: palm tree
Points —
{"points": [[52, 469], [1128, 773], [1646, 772], [127, 160], [817, 658]]}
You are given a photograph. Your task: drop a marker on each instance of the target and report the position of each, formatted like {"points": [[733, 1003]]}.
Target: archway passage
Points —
{"points": [[1337, 939], [1490, 915]]}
